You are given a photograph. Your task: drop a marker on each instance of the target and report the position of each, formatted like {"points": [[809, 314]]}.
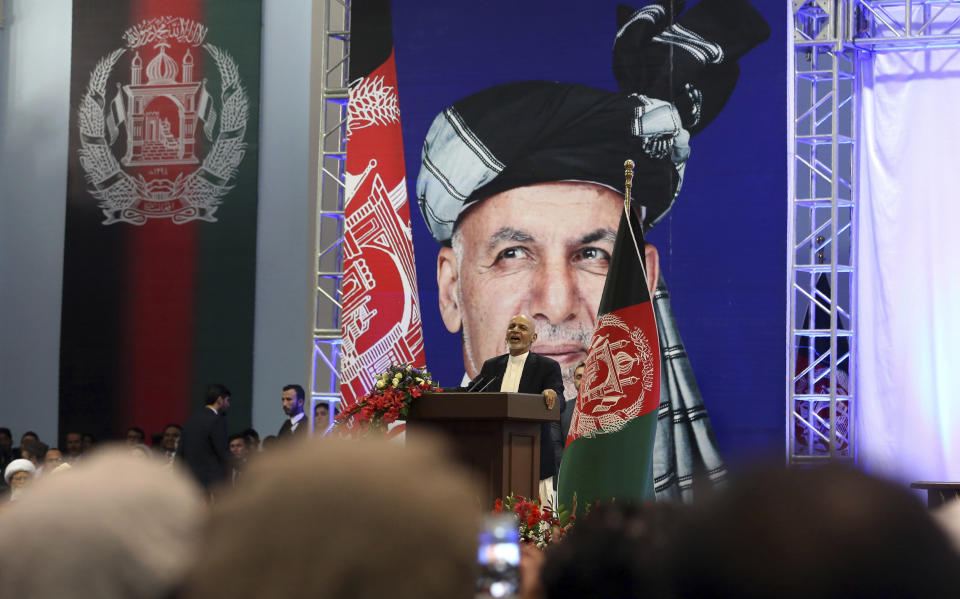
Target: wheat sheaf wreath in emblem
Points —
{"points": [[372, 103], [131, 198]]}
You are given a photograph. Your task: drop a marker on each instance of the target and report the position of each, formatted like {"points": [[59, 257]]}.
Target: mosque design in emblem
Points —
{"points": [[155, 137]]}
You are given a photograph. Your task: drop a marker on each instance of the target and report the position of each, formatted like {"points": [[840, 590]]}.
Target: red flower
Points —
{"points": [[497, 506]]}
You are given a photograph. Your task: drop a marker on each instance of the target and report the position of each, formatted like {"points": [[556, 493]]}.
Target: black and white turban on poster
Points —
{"points": [[675, 74]]}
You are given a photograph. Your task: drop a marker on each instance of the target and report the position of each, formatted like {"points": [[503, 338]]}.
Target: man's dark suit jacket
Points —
{"points": [[566, 416], [302, 428], [539, 373], [203, 446]]}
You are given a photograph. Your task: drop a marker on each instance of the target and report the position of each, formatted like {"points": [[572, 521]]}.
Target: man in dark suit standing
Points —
{"points": [[203, 444], [296, 422], [566, 416], [523, 371]]}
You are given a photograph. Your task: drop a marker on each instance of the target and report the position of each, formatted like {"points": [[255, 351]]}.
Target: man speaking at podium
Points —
{"points": [[522, 371]]}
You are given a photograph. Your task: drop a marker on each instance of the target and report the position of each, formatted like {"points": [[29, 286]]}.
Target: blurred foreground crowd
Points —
{"points": [[324, 517]]}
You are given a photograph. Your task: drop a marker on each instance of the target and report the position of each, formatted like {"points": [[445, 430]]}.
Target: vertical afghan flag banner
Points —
{"points": [[609, 452], [161, 221], [381, 316]]}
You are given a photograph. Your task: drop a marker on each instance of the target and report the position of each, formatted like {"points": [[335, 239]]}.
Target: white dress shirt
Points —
{"points": [[295, 421], [511, 378]]}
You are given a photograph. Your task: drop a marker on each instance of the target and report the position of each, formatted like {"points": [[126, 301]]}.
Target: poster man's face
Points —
{"points": [[541, 250]]}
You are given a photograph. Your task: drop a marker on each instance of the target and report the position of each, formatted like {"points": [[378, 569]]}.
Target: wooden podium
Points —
{"points": [[938, 493], [496, 436]]}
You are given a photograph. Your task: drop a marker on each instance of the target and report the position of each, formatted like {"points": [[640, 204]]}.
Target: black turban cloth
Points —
{"points": [[675, 73]]}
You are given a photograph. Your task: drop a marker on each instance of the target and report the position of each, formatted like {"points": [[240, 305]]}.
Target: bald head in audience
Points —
{"points": [[332, 518], [114, 526]]}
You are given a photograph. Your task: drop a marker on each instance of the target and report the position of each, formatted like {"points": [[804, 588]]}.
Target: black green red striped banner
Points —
{"points": [[160, 244]]}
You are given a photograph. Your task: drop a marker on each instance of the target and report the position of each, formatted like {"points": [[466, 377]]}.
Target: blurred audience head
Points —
{"points": [[33, 450], [171, 437], [129, 530], [377, 520], [6, 439], [52, 459], [321, 417], [73, 444], [829, 532], [87, 442], [29, 435], [135, 436], [253, 440], [270, 442], [238, 446], [617, 550]]}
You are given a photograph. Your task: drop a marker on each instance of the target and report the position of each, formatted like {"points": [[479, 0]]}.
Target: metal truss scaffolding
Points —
{"points": [[831, 38], [330, 198]]}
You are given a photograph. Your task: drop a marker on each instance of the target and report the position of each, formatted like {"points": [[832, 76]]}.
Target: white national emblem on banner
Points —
{"points": [[619, 372], [374, 234], [162, 110]]}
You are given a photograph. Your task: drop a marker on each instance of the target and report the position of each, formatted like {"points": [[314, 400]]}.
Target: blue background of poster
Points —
{"points": [[722, 246]]}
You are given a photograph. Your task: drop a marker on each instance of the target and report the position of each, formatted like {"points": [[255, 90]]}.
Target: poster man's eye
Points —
{"points": [[512, 253]]}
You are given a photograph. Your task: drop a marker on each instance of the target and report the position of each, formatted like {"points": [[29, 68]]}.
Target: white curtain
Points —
{"points": [[908, 277]]}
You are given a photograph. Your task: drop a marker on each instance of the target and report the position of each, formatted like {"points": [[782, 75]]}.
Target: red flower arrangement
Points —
{"points": [[537, 525], [387, 402]]}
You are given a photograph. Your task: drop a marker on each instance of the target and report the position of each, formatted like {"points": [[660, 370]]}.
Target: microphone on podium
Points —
{"points": [[473, 385], [488, 383]]}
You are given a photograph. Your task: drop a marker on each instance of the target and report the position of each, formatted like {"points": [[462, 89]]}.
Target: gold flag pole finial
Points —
{"points": [[627, 188]]}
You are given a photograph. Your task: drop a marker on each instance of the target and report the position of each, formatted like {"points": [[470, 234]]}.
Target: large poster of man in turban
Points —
{"points": [[516, 119]]}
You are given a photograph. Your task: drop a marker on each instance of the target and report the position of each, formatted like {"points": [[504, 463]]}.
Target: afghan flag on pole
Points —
{"points": [[161, 220], [380, 319], [609, 452]]}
